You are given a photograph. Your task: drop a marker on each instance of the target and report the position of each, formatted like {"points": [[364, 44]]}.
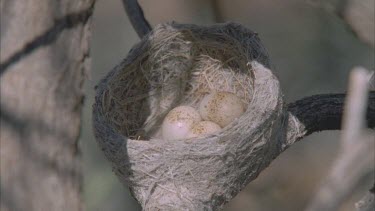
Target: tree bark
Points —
{"points": [[44, 59]]}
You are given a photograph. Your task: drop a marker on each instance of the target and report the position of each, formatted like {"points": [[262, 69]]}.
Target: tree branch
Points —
{"points": [[324, 112], [137, 18]]}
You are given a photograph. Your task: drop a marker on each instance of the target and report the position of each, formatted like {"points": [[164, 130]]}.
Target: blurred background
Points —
{"points": [[311, 51]]}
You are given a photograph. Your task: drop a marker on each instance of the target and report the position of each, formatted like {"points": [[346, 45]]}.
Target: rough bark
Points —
{"points": [[44, 59]]}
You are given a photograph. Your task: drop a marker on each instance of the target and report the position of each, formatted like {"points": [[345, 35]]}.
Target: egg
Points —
{"points": [[203, 128], [178, 122], [221, 107]]}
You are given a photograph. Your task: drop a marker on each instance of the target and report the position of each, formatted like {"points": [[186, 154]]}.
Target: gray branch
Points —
{"points": [[324, 112], [136, 17]]}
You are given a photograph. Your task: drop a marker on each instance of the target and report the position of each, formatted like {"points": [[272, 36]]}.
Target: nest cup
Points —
{"points": [[178, 64]]}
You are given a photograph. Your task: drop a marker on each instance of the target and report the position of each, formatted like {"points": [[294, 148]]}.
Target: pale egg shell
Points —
{"points": [[221, 108], [203, 128], [178, 122]]}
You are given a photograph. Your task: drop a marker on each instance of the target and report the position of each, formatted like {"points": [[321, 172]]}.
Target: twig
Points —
{"points": [[356, 148], [137, 18], [324, 112]]}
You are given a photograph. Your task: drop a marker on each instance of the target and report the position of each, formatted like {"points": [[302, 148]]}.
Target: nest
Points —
{"points": [[178, 64]]}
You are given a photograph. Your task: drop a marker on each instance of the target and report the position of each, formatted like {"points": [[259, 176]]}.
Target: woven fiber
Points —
{"points": [[178, 64]]}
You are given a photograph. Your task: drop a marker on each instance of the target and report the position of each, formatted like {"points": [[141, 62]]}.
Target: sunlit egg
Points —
{"points": [[221, 108], [178, 122], [203, 128]]}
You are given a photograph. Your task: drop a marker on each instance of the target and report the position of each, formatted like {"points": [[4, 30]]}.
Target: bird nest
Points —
{"points": [[178, 64]]}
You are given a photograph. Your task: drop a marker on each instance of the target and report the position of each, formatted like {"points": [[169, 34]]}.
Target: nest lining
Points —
{"points": [[177, 64]]}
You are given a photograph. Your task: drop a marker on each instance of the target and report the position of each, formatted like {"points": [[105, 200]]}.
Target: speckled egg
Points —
{"points": [[221, 108], [178, 122], [203, 128]]}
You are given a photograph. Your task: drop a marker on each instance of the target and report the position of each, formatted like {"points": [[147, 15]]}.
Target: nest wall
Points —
{"points": [[178, 64]]}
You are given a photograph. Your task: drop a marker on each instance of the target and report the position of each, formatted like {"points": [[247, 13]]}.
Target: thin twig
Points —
{"points": [[137, 18]]}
